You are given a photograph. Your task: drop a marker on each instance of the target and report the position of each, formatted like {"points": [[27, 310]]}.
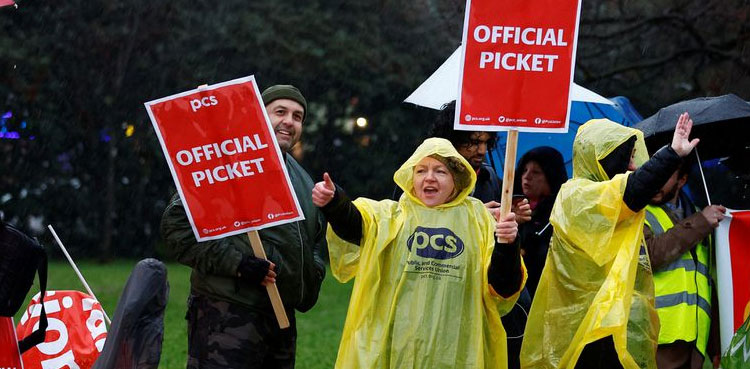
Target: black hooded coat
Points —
{"points": [[533, 236]]}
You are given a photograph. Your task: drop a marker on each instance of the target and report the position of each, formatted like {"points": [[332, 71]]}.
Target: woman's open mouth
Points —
{"points": [[430, 190]]}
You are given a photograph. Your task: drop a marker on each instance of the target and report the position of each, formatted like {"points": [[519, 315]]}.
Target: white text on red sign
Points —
{"points": [[215, 150], [519, 36]]}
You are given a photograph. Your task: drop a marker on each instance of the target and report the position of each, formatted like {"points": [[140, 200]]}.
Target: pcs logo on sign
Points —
{"points": [[435, 243], [196, 104]]}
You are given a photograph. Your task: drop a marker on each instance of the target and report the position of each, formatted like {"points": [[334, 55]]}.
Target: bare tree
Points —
{"points": [[659, 52]]}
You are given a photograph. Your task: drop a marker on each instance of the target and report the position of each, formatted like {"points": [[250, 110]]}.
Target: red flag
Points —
{"points": [[75, 335], [739, 243], [9, 355], [732, 256]]}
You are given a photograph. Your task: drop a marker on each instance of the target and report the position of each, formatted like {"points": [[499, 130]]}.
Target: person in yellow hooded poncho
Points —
{"points": [[431, 280], [594, 307]]}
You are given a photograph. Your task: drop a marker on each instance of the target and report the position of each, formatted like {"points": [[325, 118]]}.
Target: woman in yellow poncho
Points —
{"points": [[594, 307], [431, 281]]}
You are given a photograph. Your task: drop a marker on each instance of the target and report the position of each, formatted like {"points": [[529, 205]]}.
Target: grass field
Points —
{"points": [[319, 330]]}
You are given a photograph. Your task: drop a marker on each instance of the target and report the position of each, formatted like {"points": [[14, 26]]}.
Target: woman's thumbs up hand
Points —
{"points": [[323, 191]]}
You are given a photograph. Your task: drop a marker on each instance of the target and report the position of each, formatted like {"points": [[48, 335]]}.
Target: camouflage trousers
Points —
{"points": [[226, 335]]}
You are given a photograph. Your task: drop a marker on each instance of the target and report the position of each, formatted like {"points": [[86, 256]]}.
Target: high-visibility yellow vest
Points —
{"points": [[682, 289]]}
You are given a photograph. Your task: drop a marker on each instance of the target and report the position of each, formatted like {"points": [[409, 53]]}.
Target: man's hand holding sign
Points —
{"points": [[229, 171]]}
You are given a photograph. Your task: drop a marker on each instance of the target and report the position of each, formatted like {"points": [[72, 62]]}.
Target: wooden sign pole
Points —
{"points": [[509, 171], [273, 292]]}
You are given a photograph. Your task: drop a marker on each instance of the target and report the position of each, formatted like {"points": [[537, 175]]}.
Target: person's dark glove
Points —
{"points": [[253, 270]]}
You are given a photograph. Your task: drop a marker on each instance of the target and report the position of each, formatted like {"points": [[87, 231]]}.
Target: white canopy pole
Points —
{"points": [[75, 268]]}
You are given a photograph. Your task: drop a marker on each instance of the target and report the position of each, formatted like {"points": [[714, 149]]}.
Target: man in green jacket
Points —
{"points": [[231, 323]]}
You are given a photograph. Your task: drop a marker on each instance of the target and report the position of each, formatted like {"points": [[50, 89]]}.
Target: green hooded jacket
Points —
{"points": [[294, 247]]}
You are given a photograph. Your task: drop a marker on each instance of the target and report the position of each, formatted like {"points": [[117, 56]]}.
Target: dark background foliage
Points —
{"points": [[75, 74]]}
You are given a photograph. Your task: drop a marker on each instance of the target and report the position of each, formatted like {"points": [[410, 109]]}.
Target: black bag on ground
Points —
{"points": [[22, 257], [137, 331]]}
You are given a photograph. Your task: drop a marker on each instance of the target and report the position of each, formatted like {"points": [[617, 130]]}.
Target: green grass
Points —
{"points": [[319, 330]]}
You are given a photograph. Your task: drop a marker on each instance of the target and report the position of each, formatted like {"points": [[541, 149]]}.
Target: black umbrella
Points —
{"points": [[722, 123]]}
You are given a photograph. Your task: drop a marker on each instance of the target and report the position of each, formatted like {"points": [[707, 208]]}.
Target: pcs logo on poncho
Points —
{"points": [[435, 243]]}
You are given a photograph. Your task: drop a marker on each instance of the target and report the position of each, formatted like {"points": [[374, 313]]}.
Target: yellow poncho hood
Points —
{"points": [[464, 180], [421, 297], [597, 278]]}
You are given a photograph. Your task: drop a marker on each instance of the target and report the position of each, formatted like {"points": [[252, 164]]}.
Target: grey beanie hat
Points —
{"points": [[290, 92]]}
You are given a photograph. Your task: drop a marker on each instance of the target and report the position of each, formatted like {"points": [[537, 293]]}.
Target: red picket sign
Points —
{"points": [[10, 358], [517, 65], [226, 164], [75, 335]]}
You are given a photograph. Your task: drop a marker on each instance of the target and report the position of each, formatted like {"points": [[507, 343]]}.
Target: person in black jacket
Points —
{"points": [[539, 174], [473, 146]]}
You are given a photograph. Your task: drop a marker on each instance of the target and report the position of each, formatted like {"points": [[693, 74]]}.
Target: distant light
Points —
{"points": [[12, 135], [129, 130], [103, 136], [361, 122], [8, 115]]}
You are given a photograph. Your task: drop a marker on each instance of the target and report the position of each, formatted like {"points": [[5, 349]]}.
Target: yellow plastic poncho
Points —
{"points": [[421, 298], [597, 280]]}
